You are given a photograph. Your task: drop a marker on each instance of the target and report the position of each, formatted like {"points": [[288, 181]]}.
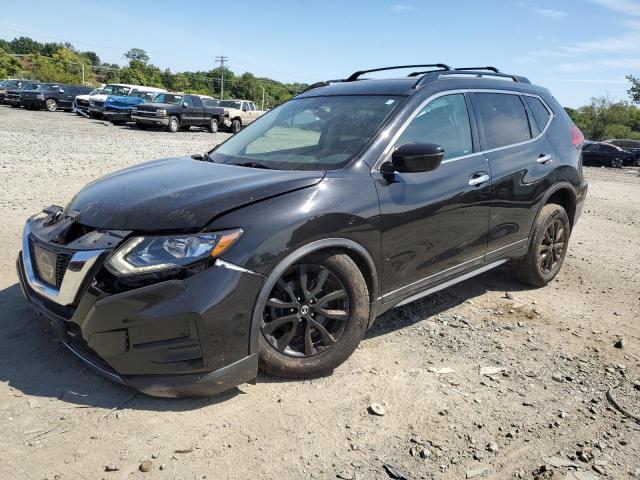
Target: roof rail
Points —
{"points": [[322, 83], [433, 76], [492, 69], [355, 75]]}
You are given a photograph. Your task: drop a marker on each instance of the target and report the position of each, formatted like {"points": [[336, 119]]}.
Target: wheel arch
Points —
{"points": [[563, 194], [359, 254]]}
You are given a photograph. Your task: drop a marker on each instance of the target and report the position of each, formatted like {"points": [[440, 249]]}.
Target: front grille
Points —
{"points": [[82, 103], [62, 263], [98, 103], [145, 113]]}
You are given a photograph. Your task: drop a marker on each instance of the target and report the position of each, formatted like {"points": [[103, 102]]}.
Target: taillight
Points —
{"points": [[576, 136]]}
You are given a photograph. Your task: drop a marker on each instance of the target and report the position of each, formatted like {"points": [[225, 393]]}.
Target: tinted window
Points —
{"points": [[252, 106], [589, 147], [540, 112], [187, 101], [210, 102], [502, 118], [196, 102], [444, 121]]}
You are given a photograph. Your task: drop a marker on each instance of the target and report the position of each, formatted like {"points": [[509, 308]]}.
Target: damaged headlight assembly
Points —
{"points": [[140, 255]]}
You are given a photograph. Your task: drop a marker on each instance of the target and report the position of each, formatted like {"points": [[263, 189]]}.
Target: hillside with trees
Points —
{"points": [[62, 62]]}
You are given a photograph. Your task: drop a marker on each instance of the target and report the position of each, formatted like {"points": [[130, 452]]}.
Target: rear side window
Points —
{"points": [[540, 112], [445, 122], [502, 119]]}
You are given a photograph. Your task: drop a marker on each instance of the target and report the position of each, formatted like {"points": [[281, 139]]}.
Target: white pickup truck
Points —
{"points": [[239, 113]]}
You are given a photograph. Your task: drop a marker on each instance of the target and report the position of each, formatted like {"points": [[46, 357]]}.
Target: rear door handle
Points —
{"points": [[478, 179], [544, 159]]}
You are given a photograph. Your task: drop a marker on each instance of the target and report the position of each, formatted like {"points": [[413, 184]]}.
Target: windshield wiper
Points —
{"points": [[253, 165]]}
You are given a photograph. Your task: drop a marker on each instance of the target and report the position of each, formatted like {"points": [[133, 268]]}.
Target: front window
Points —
{"points": [[445, 122], [316, 133], [231, 104], [168, 98]]}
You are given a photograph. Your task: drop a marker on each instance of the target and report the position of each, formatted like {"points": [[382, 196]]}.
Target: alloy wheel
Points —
{"points": [[52, 106], [306, 312], [551, 248]]}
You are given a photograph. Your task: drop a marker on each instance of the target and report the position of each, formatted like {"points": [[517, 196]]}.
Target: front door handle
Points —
{"points": [[544, 159], [478, 179]]}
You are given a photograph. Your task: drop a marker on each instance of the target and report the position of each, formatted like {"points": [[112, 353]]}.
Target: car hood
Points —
{"points": [[155, 106], [179, 193], [117, 102], [100, 97]]}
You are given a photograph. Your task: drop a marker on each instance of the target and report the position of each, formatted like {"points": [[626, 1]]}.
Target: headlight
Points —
{"points": [[40, 96], [150, 254], [161, 112], [134, 110]]}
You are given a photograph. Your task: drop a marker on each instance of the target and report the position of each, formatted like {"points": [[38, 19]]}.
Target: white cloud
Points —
{"points": [[628, 7], [629, 42], [401, 8], [550, 13]]}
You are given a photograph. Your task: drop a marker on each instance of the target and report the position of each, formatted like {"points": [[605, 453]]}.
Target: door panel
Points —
{"points": [[522, 168], [435, 223], [431, 222]]}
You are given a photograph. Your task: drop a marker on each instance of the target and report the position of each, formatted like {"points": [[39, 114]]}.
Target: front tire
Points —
{"points": [[174, 124], [213, 125], [314, 317], [617, 163], [547, 249], [51, 105], [236, 125]]}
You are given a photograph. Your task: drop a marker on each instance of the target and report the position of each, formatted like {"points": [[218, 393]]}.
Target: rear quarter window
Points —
{"points": [[502, 119], [540, 112]]}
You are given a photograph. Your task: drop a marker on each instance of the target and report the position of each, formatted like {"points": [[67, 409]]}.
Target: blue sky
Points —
{"points": [[577, 48]]}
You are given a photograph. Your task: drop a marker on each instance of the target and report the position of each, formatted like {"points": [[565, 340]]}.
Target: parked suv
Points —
{"points": [[631, 146], [9, 84], [601, 154], [280, 247], [12, 96], [177, 111], [52, 96]]}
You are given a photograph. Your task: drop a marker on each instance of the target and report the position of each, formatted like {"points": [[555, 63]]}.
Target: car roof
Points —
{"points": [[407, 86]]}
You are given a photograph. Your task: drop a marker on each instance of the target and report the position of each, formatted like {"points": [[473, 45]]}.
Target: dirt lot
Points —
{"points": [[555, 344]]}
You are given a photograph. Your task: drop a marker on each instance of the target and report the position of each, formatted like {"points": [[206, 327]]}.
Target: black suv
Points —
{"points": [[176, 111], [279, 248], [602, 154], [52, 96], [9, 84], [12, 96]]}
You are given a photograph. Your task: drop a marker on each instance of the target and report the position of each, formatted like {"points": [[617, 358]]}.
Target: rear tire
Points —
{"points": [[547, 249], [51, 105], [617, 163], [174, 124], [303, 349]]}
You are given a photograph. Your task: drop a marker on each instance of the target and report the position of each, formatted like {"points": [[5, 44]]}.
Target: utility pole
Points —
{"points": [[221, 59], [262, 108]]}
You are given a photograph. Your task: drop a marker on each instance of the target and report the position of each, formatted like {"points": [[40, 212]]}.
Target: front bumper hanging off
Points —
{"points": [[186, 337]]}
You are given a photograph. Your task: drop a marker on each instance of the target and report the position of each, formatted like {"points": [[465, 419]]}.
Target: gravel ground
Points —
{"points": [[540, 412]]}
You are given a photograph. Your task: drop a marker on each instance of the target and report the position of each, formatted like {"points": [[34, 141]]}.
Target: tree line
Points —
{"points": [[62, 62]]}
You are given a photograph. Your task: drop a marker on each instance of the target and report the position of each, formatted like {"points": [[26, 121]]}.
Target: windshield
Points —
{"points": [[115, 90], [146, 96], [230, 104], [168, 98], [315, 133]]}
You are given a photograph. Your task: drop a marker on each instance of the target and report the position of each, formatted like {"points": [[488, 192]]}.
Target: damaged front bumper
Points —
{"points": [[178, 337]]}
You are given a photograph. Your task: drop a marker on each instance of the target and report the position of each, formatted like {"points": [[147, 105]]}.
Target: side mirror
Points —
{"points": [[417, 157], [245, 109], [184, 105]]}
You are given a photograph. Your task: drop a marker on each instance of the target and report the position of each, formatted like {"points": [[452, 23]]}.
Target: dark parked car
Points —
{"points": [[12, 96], [8, 85], [632, 146], [117, 109], [602, 154], [280, 247], [52, 96], [175, 111]]}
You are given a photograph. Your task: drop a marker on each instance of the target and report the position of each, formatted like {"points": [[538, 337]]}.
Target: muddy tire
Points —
{"points": [[547, 249], [314, 317]]}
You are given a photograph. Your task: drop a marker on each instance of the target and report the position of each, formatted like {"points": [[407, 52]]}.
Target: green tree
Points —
{"points": [[25, 46], [634, 90], [9, 66], [137, 54]]}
